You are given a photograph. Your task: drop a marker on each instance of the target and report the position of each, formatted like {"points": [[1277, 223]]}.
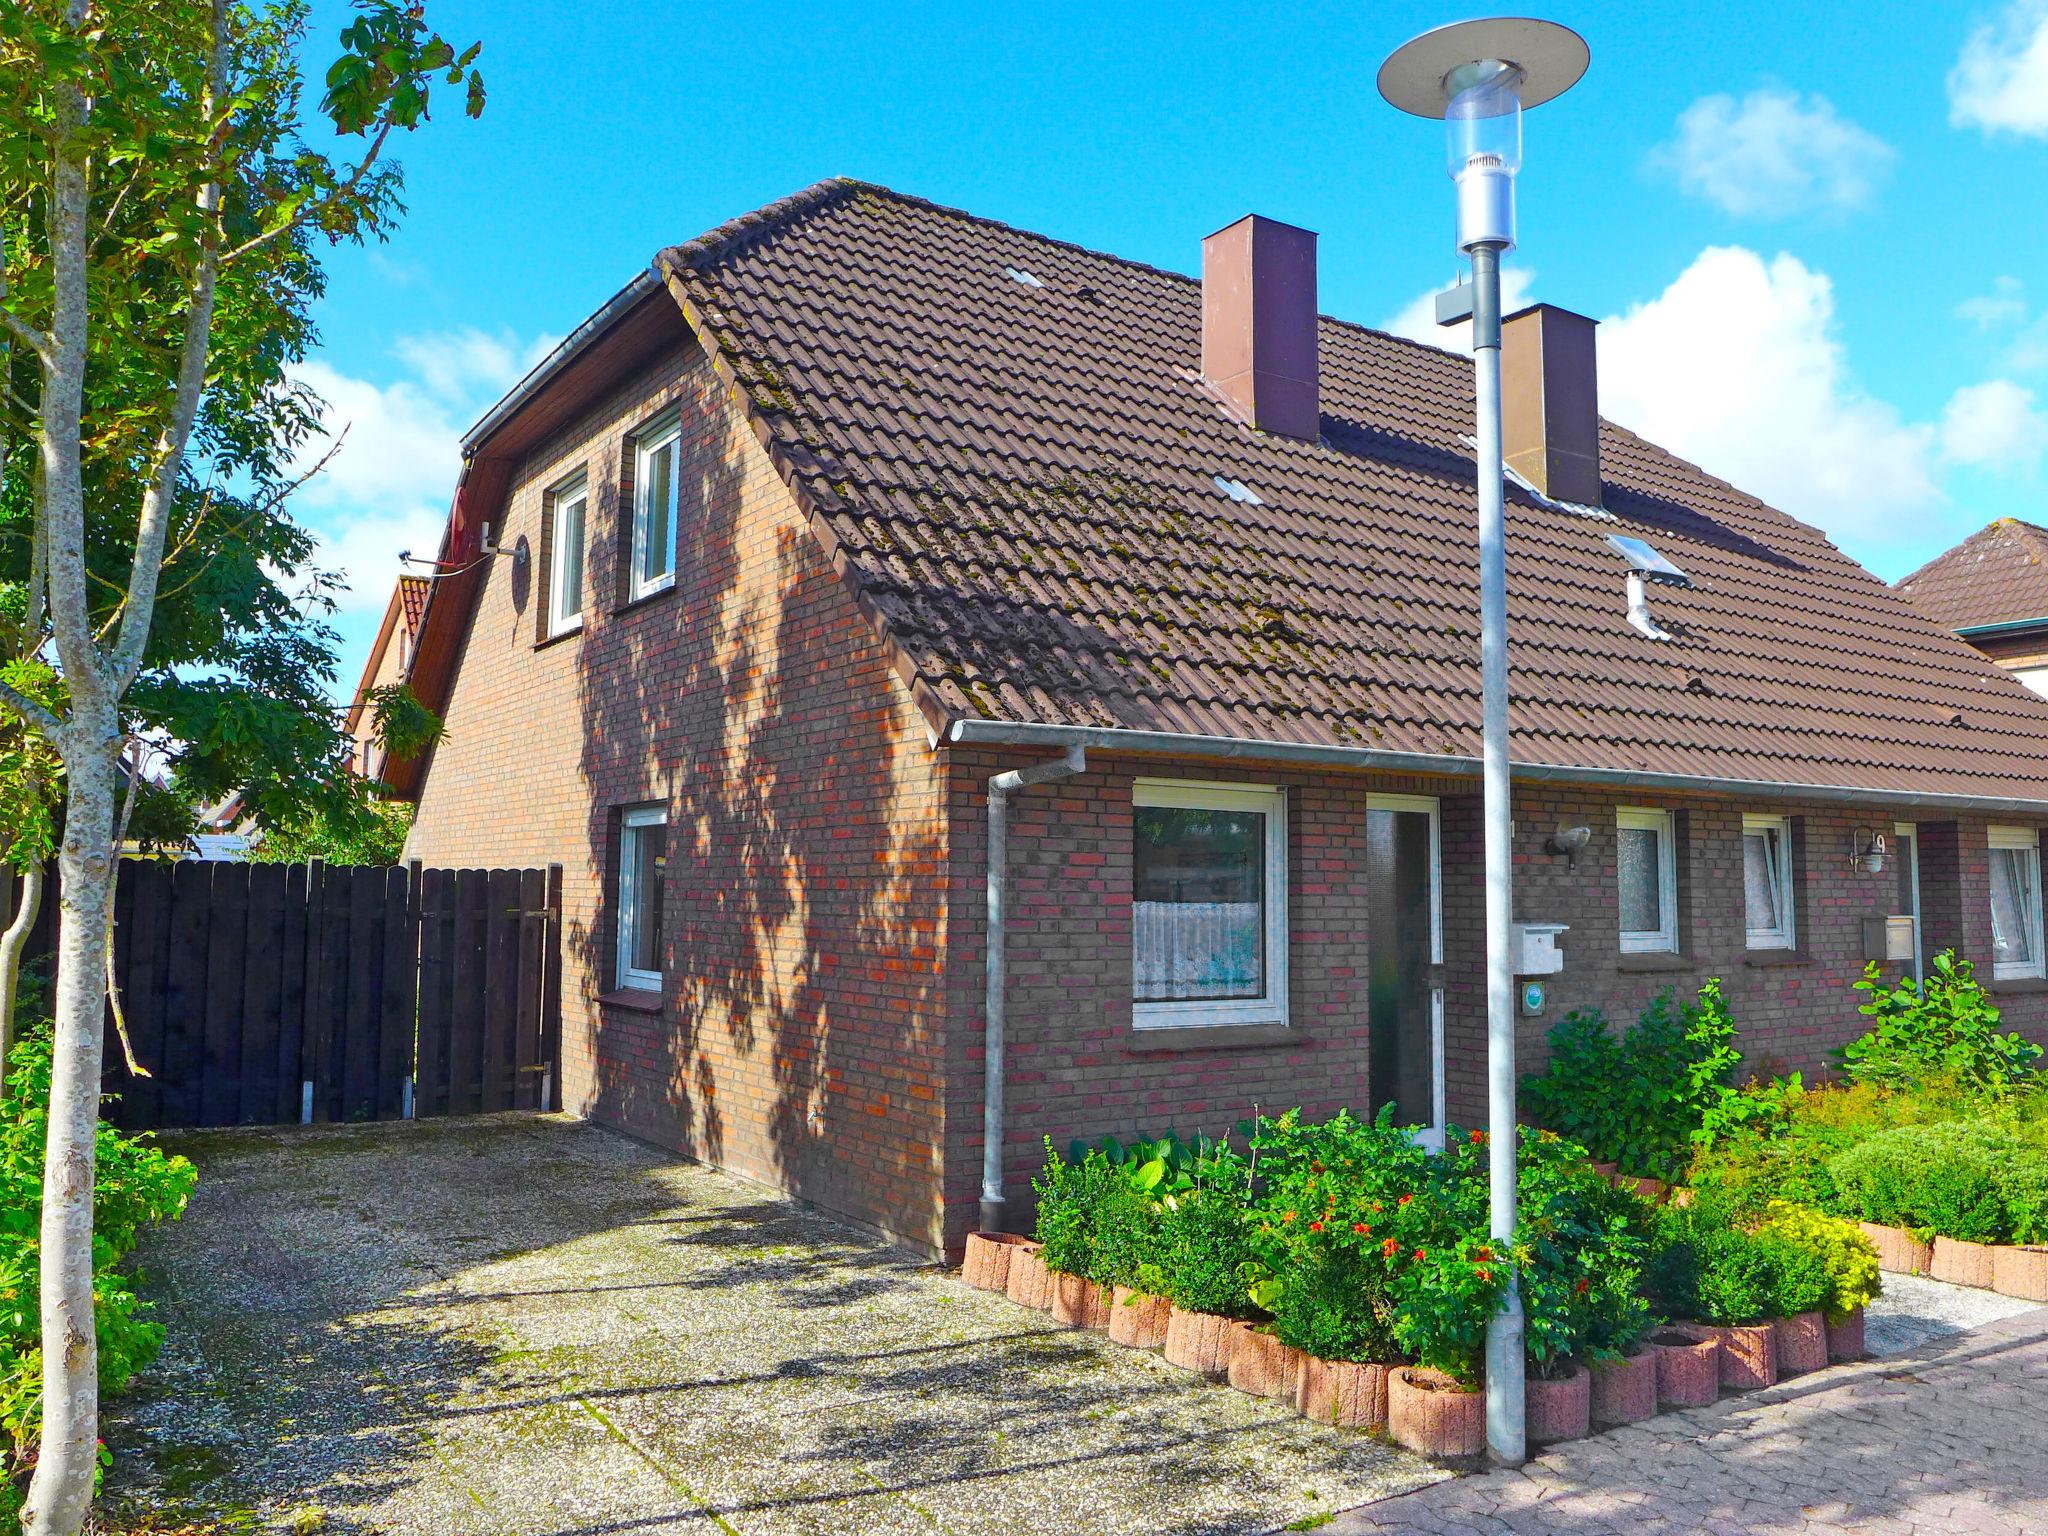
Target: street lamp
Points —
{"points": [[1479, 76]]}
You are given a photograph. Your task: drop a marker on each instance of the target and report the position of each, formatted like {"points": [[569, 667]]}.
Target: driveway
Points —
{"points": [[532, 1325]]}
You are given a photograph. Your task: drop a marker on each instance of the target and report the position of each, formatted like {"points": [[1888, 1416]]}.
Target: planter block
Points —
{"points": [[1625, 1390], [1261, 1365], [1030, 1282], [1688, 1365], [1136, 1319], [987, 1265], [1558, 1410], [1607, 1170], [1198, 1341], [1801, 1342], [1897, 1250], [1749, 1357], [1428, 1412], [1078, 1302], [1342, 1392], [2021, 1272], [1647, 1189], [1845, 1339], [1962, 1263]]}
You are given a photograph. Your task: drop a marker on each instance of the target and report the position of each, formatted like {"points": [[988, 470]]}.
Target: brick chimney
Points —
{"points": [[1550, 402], [1259, 323]]}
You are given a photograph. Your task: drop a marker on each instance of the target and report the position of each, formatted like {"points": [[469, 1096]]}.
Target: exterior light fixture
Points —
{"points": [[1479, 77], [1868, 851]]}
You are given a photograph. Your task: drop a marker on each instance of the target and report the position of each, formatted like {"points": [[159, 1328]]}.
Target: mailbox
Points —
{"points": [[1536, 952]]}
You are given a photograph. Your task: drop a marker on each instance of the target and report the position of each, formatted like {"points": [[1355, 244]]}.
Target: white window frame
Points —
{"points": [[1430, 806], [2027, 840], [1786, 934], [631, 821], [662, 435], [1663, 939], [1906, 834], [571, 491], [1271, 802]]}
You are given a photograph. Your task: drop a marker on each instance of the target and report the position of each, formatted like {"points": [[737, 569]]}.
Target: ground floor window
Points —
{"points": [[643, 856], [1646, 870], [1208, 904], [1767, 881], [2015, 902]]}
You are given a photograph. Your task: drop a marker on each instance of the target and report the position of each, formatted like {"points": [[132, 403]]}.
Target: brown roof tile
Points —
{"points": [[1998, 575], [1023, 479]]}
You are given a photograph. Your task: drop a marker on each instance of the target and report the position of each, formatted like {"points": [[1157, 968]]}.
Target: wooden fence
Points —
{"points": [[270, 994]]}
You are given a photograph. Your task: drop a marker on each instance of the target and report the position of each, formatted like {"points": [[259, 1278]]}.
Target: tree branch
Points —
{"points": [[30, 710], [345, 189]]}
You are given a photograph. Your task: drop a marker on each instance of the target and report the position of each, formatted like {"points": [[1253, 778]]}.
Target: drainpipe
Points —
{"points": [[1000, 788]]}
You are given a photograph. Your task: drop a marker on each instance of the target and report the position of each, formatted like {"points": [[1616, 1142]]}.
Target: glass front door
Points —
{"points": [[1405, 994], [1906, 869]]}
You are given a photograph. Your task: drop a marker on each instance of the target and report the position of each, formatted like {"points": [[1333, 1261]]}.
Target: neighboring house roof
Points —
{"points": [[1997, 576], [1019, 480]]}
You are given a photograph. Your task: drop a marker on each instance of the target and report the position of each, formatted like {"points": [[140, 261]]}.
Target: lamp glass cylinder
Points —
{"points": [[1483, 123]]}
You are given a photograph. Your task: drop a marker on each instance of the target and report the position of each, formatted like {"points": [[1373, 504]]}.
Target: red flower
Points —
{"points": [[1390, 1247], [1317, 1166], [1478, 1137], [1483, 1272], [1482, 1254], [1361, 1228], [1315, 1226], [1422, 1253], [1582, 1287], [1286, 1216], [1404, 1199], [1377, 1206]]}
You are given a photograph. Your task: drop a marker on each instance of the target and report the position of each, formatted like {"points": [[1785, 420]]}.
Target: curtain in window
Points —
{"points": [[1198, 909], [1763, 879], [646, 852], [1642, 881], [2015, 896]]}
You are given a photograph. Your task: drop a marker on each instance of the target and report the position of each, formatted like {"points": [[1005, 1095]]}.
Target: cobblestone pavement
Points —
{"points": [[1950, 1439]]}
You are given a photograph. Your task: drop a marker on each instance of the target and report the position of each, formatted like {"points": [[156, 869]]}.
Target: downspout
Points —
{"points": [[1000, 788]]}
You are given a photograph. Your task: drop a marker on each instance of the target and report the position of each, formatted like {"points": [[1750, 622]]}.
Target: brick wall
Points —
{"points": [[798, 1039]]}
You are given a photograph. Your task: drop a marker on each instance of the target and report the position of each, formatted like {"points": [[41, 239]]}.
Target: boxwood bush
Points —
{"points": [[1963, 1179]]}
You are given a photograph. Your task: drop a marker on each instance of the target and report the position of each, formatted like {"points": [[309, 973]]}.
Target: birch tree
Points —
{"points": [[160, 222]]}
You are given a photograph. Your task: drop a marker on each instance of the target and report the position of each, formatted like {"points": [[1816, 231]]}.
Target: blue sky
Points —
{"points": [[1811, 234]]}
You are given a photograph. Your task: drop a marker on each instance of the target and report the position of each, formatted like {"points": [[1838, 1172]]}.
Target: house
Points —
{"points": [[862, 534], [1991, 591], [390, 662]]}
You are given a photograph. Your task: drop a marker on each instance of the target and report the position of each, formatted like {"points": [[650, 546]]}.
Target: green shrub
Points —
{"points": [[1640, 1099], [1205, 1247], [137, 1186], [1068, 1196], [1843, 1252], [1705, 1267], [1964, 1179], [1945, 1030]]}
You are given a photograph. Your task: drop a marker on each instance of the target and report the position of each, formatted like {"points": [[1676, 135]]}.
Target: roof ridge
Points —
{"points": [[2027, 532]]}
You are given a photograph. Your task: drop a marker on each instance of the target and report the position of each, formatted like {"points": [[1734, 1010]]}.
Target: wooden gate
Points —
{"points": [[271, 994]]}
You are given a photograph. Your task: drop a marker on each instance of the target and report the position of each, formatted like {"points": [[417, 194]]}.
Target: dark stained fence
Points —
{"points": [[267, 994]]}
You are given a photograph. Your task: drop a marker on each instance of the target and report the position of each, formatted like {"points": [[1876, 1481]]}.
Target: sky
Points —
{"points": [[1811, 234]]}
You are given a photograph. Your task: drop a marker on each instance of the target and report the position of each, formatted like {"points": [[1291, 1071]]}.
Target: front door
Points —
{"points": [[1405, 994], [1906, 869]]}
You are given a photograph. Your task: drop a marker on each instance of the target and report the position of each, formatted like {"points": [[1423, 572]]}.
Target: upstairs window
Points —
{"points": [[1646, 869], [1208, 905], [567, 505], [1767, 882], [2015, 903], [643, 858], [657, 473]]}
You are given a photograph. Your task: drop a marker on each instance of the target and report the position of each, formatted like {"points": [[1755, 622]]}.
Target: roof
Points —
{"points": [[1997, 576], [1020, 482], [412, 597]]}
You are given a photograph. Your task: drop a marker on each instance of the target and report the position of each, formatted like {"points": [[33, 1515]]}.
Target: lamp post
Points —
{"points": [[1478, 76]]}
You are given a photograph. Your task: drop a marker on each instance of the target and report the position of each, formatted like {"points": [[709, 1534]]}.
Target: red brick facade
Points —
{"points": [[821, 1026]]}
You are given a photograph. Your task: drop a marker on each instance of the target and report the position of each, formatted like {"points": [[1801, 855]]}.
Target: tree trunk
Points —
{"points": [[12, 943], [68, 1454]]}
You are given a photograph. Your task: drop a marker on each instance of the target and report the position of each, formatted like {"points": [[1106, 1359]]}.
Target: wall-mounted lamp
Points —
{"points": [[1568, 843], [1868, 851]]}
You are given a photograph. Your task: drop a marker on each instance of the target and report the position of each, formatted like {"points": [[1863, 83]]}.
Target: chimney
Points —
{"points": [[1550, 402], [1259, 324]]}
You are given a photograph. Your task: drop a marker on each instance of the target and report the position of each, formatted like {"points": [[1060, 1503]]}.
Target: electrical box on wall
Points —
{"points": [[1536, 952]]}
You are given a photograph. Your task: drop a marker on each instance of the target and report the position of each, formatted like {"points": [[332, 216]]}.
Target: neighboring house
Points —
{"points": [[1992, 591], [390, 661], [756, 582]]}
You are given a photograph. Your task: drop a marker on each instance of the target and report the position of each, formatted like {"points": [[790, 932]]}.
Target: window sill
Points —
{"points": [[1646, 961], [573, 632], [2019, 984], [1767, 959], [638, 999], [651, 595], [1211, 1037]]}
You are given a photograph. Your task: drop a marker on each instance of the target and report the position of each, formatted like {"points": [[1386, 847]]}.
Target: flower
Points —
{"points": [[1404, 1199], [1582, 1287], [1363, 1229], [1286, 1216], [1315, 1226], [1483, 1272], [1422, 1253], [1478, 1137], [1390, 1247], [1377, 1206], [1482, 1254]]}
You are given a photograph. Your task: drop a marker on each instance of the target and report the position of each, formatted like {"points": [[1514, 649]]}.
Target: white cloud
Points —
{"points": [[2000, 81], [1994, 425], [2005, 304], [1773, 154], [1417, 319], [1737, 367], [388, 484]]}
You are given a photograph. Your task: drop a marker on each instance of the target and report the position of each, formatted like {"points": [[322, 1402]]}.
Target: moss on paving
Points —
{"points": [[527, 1324]]}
